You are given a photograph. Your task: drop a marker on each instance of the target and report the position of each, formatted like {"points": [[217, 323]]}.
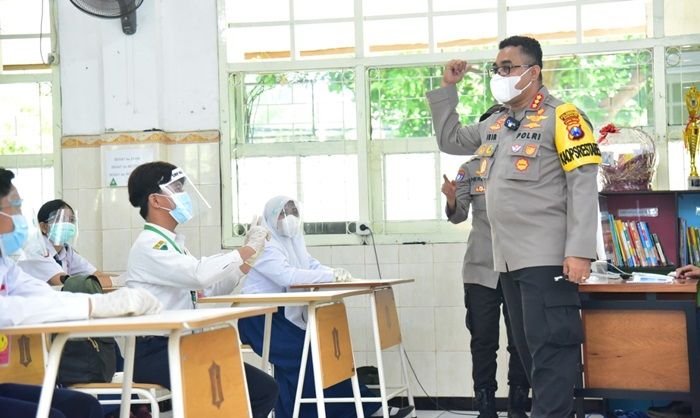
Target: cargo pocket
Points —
{"points": [[562, 313], [524, 163]]}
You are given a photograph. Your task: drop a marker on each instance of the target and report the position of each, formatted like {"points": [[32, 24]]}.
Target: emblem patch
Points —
{"points": [[530, 149], [160, 245], [522, 164], [498, 124], [480, 188], [532, 125], [460, 175], [537, 101], [482, 167], [538, 117], [572, 120], [516, 147]]}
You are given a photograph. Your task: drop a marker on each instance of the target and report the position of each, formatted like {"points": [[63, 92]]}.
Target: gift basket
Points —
{"points": [[629, 159]]}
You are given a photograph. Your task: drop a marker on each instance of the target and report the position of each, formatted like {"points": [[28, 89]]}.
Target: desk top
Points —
{"points": [[369, 284], [164, 321], [687, 286], [288, 298]]}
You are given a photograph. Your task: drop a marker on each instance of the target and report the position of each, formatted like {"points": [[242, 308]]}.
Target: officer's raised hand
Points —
{"points": [[454, 72], [578, 269], [449, 189]]}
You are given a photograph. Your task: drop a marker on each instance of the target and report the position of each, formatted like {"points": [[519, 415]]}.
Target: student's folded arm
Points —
{"points": [[275, 266]]}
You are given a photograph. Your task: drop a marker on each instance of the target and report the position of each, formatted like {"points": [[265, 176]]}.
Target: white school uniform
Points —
{"points": [[160, 263], [41, 260]]}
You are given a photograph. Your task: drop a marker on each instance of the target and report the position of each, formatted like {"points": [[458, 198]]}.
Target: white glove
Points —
{"points": [[124, 302], [256, 236], [342, 275]]}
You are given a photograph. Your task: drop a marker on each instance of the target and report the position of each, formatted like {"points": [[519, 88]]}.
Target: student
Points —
{"points": [[26, 300], [50, 255], [285, 262], [160, 263]]}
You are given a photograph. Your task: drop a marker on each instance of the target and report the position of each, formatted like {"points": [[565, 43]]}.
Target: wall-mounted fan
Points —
{"points": [[112, 9]]}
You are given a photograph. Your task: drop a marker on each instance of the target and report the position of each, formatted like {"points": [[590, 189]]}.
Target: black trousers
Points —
{"points": [[483, 322], [22, 401], [151, 366], [546, 325]]}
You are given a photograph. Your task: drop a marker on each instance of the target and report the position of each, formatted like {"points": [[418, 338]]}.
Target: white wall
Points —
{"points": [[164, 77]]}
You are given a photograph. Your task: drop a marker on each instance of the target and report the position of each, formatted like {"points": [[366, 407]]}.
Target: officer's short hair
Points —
{"points": [[530, 47], [50, 207], [146, 180], [6, 177]]}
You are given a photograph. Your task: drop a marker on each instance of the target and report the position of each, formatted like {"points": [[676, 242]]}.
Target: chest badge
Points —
{"points": [[516, 148], [161, 245], [498, 124], [530, 149], [522, 164]]}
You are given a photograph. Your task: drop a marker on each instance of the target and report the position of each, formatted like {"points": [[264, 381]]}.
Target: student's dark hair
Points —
{"points": [[530, 47], [6, 177], [50, 207], [145, 180]]}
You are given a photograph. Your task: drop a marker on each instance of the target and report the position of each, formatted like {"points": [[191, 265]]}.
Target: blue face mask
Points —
{"points": [[183, 207], [14, 241], [62, 232]]}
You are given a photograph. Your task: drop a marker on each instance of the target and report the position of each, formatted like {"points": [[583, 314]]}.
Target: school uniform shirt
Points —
{"points": [[26, 300], [478, 260], [41, 260], [160, 263]]}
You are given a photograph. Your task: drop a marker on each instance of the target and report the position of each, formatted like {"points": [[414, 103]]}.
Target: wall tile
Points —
{"points": [[210, 240], [116, 244], [424, 364], [185, 156], [415, 253], [89, 208], [347, 254], [387, 254], [449, 253], [389, 271], [72, 196], [209, 164], [135, 219], [71, 168], [450, 331], [192, 239], [360, 328], [359, 301], [449, 287], [89, 245], [117, 211], [357, 270], [454, 374], [321, 253], [89, 169], [210, 216], [418, 328], [422, 291]]}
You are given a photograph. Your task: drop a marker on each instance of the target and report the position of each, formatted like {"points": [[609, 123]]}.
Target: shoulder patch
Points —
{"points": [[574, 139], [161, 245], [460, 175]]}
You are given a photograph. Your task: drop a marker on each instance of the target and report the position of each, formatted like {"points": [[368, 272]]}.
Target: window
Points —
{"points": [[332, 108], [28, 101]]}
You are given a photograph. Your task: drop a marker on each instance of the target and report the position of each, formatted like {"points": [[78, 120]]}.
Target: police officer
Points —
{"points": [[483, 297], [539, 161]]}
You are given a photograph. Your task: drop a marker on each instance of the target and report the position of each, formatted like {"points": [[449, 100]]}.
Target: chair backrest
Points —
{"points": [[21, 359]]}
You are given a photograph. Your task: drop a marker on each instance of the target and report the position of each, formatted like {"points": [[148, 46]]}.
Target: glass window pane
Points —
{"points": [[246, 11], [682, 71], [35, 186], [559, 26], [19, 17], [510, 3], [329, 188], [608, 88], [325, 40], [258, 43], [299, 107], [681, 17], [455, 5], [323, 9], [25, 51], [393, 7], [259, 180], [396, 36], [615, 21], [26, 118], [462, 32], [449, 166], [410, 186]]}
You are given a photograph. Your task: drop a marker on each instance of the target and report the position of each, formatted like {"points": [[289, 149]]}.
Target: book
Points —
{"points": [[647, 243], [659, 249], [619, 261], [683, 243], [644, 261]]}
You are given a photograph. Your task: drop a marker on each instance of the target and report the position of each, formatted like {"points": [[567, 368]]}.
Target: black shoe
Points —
{"points": [[485, 403], [403, 412], [518, 402]]}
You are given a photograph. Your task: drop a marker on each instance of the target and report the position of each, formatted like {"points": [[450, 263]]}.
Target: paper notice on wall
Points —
{"points": [[4, 350], [118, 164]]}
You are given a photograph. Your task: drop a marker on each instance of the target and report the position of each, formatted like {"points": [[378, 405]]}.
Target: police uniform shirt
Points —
{"points": [[41, 260], [478, 260], [540, 177], [26, 300], [160, 263]]}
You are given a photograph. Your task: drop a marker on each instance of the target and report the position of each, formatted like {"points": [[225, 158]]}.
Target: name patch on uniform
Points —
{"points": [[574, 139], [460, 175], [491, 137], [532, 136], [161, 245]]}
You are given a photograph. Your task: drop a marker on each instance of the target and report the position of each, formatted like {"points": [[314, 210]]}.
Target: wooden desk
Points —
{"points": [[641, 342], [174, 324], [314, 301], [386, 331]]}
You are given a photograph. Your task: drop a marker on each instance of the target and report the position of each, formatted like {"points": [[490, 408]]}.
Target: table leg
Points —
{"points": [[127, 383], [302, 373], [176, 374], [378, 354], [266, 344], [316, 359], [54, 359]]}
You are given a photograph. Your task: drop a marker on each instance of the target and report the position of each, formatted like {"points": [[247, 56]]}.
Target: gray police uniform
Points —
{"points": [[542, 204], [483, 295]]}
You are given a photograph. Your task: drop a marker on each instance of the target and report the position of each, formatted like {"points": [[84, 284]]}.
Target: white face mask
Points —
{"points": [[289, 226], [503, 88]]}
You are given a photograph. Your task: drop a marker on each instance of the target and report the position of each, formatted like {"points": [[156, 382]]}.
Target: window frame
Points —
{"points": [[370, 176]]}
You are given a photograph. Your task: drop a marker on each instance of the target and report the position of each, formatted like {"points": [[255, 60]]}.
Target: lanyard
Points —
{"points": [[167, 238]]}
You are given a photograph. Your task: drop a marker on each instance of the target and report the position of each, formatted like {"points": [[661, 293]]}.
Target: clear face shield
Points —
{"points": [[180, 190], [289, 223], [62, 227]]}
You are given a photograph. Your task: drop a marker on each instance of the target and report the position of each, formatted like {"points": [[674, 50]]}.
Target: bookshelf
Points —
{"points": [[661, 211]]}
